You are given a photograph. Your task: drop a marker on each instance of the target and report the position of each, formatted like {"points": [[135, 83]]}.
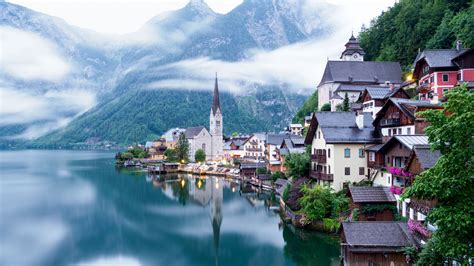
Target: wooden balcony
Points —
{"points": [[375, 165], [318, 158], [321, 176], [390, 122]]}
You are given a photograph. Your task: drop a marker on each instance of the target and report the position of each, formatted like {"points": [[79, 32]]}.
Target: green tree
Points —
{"points": [[321, 202], [297, 164], [278, 175], [450, 181], [182, 148], [311, 105], [200, 155], [326, 107], [171, 155], [345, 103]]}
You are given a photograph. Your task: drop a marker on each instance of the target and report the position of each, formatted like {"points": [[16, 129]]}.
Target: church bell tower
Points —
{"points": [[216, 125]]}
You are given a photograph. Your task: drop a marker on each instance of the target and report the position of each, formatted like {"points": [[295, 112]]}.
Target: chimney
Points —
{"points": [[360, 120], [458, 45], [391, 86], [434, 99]]}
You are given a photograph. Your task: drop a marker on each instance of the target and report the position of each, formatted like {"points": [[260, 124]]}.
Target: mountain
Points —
{"points": [[142, 90]]}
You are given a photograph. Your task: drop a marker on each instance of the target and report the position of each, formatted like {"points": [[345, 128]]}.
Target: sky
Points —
{"points": [[126, 16]]}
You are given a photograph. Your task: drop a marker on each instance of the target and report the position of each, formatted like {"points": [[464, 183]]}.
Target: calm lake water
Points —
{"points": [[74, 207]]}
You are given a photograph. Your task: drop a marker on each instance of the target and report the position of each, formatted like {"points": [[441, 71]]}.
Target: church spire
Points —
{"points": [[353, 51], [216, 102]]}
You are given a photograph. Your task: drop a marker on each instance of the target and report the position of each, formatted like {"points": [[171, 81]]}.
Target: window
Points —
{"points": [[458, 76], [372, 156], [389, 132], [329, 153], [408, 131], [347, 170], [388, 180], [399, 131], [319, 134], [445, 77], [397, 162], [361, 153], [394, 131], [361, 171], [445, 90], [431, 79], [347, 153], [203, 146], [329, 169], [388, 159]]}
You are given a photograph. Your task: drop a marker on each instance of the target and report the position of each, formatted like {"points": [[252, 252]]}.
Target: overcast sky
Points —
{"points": [[125, 16]]}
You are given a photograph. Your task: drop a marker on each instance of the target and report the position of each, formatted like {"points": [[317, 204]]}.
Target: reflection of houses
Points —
{"points": [[216, 213], [351, 74], [337, 142], [372, 203], [439, 70], [375, 243]]}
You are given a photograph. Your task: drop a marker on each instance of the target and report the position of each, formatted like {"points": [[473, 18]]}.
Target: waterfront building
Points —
{"points": [[439, 70], [272, 145], [352, 74], [338, 140], [156, 149], [368, 201], [375, 243], [234, 149], [293, 144], [171, 137], [254, 147]]}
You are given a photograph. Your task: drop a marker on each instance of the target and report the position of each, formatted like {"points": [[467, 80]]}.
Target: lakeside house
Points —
{"points": [[296, 129], [338, 140], [439, 70], [156, 149], [293, 144], [234, 149], [272, 156], [372, 203], [375, 243], [352, 74], [254, 147]]}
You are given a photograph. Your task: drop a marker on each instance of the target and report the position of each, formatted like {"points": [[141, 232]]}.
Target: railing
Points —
{"points": [[318, 158], [254, 149], [321, 176], [390, 122], [375, 165]]}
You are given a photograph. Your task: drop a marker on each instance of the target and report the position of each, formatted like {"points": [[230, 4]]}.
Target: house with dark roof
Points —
{"points": [[376, 243], [351, 74], [372, 203], [291, 145], [373, 98], [439, 70], [398, 117], [337, 141]]}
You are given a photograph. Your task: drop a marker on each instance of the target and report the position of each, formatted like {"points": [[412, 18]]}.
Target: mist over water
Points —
{"points": [[76, 208]]}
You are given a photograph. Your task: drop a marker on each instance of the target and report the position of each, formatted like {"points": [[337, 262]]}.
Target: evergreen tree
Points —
{"points": [[345, 104], [450, 181], [182, 148]]}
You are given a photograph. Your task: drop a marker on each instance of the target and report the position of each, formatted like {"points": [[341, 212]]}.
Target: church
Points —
{"points": [[212, 141]]}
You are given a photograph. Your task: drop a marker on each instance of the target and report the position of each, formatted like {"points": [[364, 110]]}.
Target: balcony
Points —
{"points": [[390, 122], [375, 165], [254, 149], [318, 158], [321, 176]]}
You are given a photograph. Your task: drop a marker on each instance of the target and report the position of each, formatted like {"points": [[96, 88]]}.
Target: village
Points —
{"points": [[364, 145]]}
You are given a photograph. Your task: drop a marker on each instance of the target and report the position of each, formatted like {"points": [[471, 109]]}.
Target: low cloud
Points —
{"points": [[28, 56], [43, 111]]}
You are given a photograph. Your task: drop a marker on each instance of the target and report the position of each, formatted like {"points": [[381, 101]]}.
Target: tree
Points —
{"points": [[171, 155], [326, 107], [320, 202], [345, 103], [298, 164], [450, 181], [200, 155], [311, 105], [278, 175], [182, 148]]}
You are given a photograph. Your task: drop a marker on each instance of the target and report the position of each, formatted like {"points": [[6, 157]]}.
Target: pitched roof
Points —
{"points": [[192, 132], [439, 57], [216, 105], [172, 134], [426, 156], [276, 139], [352, 46], [362, 72], [341, 127], [407, 106], [371, 194], [407, 140], [377, 234], [350, 88]]}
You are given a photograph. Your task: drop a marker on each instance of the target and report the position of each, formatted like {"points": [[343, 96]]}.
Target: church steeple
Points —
{"points": [[353, 51], [216, 105]]}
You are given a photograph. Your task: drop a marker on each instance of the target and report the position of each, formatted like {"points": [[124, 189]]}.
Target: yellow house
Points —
{"points": [[337, 142]]}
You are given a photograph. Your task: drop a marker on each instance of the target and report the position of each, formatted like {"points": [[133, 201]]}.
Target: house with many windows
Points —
{"points": [[439, 70], [373, 98], [254, 147], [338, 140]]}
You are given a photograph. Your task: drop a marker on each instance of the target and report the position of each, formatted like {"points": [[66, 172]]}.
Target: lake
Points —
{"points": [[76, 208]]}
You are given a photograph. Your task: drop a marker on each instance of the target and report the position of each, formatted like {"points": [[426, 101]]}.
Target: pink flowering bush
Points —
{"points": [[396, 190], [418, 227]]}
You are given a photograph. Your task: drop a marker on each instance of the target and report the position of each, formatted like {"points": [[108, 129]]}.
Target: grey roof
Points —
{"points": [[281, 182], [407, 140], [192, 132], [341, 127], [374, 147], [251, 165], [264, 177], [216, 104], [362, 72], [276, 139], [439, 57], [377, 234], [380, 92], [426, 156], [371, 194], [350, 88], [407, 106]]}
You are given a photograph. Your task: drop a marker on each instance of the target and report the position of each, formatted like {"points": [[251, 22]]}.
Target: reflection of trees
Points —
{"points": [[310, 248], [181, 190]]}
